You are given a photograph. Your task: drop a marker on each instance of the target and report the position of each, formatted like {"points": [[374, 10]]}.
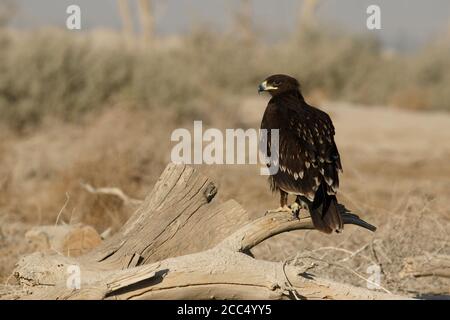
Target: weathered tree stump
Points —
{"points": [[182, 244]]}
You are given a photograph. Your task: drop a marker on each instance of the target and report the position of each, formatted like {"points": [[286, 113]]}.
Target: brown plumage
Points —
{"points": [[308, 158]]}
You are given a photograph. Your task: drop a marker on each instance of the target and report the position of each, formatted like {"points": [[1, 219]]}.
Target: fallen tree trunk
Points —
{"points": [[179, 244]]}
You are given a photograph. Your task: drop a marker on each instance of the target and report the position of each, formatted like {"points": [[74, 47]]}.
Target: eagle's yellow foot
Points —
{"points": [[278, 210], [295, 209]]}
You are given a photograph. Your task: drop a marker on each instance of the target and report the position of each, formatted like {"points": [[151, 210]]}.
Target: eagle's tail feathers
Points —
{"points": [[326, 216]]}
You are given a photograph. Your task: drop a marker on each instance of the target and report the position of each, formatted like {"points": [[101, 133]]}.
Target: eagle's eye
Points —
{"points": [[276, 83]]}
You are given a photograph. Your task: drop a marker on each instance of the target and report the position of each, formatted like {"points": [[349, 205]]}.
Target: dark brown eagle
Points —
{"points": [[308, 158]]}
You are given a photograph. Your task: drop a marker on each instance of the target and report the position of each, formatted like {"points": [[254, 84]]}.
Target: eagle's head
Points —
{"points": [[278, 84]]}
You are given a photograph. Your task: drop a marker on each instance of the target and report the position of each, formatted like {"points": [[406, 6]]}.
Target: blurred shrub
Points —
{"points": [[431, 72], [66, 75], [51, 73], [8, 9]]}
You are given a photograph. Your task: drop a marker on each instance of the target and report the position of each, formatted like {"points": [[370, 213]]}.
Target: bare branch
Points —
{"points": [[270, 225], [112, 192]]}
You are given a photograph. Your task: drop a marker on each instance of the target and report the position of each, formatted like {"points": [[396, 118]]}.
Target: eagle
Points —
{"points": [[308, 159]]}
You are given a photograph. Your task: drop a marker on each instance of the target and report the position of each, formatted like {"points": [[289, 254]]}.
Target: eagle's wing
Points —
{"points": [[308, 154]]}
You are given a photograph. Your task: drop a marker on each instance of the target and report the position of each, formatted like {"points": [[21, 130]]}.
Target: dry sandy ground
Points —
{"points": [[396, 176]]}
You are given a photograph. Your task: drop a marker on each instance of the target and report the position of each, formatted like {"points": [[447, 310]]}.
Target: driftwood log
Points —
{"points": [[182, 244]]}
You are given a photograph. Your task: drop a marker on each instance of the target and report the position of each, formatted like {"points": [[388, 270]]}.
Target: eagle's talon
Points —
{"points": [[278, 210], [295, 209]]}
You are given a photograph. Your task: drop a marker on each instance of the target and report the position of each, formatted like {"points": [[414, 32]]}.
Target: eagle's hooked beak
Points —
{"points": [[265, 87]]}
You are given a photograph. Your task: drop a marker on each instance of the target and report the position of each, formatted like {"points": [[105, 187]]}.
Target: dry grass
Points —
{"points": [[391, 177]]}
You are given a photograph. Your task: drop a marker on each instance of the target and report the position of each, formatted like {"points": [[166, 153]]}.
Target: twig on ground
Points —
{"points": [[63, 208], [290, 287], [340, 265], [113, 192]]}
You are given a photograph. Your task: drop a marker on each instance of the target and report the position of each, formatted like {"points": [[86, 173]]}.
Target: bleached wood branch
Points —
{"points": [[112, 192], [270, 225], [180, 243]]}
